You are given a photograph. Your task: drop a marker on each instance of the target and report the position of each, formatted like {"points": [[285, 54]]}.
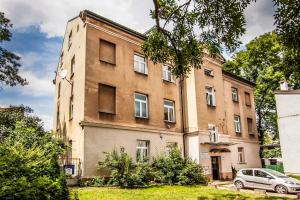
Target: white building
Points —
{"points": [[288, 110]]}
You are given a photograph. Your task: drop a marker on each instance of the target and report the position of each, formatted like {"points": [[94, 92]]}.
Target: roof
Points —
{"points": [[239, 78], [113, 24], [297, 91]]}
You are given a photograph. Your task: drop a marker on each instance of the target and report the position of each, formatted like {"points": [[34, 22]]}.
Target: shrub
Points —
{"points": [[29, 165], [167, 169], [124, 172], [92, 182], [174, 169]]}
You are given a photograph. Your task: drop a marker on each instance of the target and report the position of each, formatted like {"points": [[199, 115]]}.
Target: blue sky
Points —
{"points": [[38, 33]]}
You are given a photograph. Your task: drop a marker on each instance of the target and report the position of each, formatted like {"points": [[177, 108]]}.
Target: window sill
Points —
{"points": [[242, 163], [169, 122], [235, 101], [109, 113], [141, 118], [107, 62], [211, 106], [249, 105], [141, 73], [167, 81]]}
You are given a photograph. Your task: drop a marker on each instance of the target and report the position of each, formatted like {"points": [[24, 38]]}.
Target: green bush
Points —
{"points": [[92, 182], [124, 172], [29, 167], [175, 169], [167, 169]]}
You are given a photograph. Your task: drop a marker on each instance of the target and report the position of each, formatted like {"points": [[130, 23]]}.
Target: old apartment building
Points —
{"points": [[113, 96]]}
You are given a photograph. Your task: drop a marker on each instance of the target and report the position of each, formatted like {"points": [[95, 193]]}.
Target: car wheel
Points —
{"points": [[281, 189], [239, 184]]}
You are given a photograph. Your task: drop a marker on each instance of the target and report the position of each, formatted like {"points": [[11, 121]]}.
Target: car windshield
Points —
{"points": [[275, 173]]}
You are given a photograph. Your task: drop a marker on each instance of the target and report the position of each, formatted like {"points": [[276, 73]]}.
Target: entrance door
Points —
{"points": [[215, 167]]}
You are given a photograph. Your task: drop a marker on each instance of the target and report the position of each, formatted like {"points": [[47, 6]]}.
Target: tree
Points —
{"points": [[185, 29], [9, 117], [29, 165], [264, 63], [287, 21], [9, 62]]}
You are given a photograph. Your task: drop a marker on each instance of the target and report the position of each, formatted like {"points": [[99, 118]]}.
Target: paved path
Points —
{"points": [[228, 185]]}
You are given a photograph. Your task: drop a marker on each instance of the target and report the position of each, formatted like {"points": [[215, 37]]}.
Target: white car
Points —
{"points": [[266, 179]]}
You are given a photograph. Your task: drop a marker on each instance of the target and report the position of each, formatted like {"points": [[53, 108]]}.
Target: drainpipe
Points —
{"points": [[181, 82]]}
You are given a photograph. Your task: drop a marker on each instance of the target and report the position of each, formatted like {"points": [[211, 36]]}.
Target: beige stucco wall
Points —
{"points": [[101, 139], [71, 128], [127, 82]]}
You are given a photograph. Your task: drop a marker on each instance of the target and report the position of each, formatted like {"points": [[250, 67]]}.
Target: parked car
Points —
{"points": [[267, 179]]}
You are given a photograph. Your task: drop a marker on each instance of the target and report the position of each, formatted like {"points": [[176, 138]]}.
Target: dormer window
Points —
{"points": [[208, 72]]}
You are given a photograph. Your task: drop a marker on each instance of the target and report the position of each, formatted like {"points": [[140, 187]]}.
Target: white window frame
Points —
{"points": [[144, 151], [241, 155], [210, 92], [234, 94], [167, 74], [213, 133], [139, 63], [237, 123], [169, 110], [208, 72], [140, 101]]}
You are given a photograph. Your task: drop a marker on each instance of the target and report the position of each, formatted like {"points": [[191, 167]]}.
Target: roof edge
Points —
{"points": [[113, 24], [238, 78]]}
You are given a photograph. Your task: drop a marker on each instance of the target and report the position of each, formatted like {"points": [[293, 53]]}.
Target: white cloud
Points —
{"points": [[52, 16], [259, 19], [38, 85]]}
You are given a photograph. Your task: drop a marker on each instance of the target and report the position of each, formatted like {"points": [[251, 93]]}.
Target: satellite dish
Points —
{"points": [[63, 73]]}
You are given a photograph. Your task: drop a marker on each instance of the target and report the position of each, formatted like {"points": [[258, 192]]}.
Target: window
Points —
{"points": [[237, 123], [61, 58], [70, 40], [72, 88], [142, 150], [72, 65], [241, 156], [140, 64], [107, 99], [248, 172], [260, 174], [169, 111], [57, 118], [247, 99], [213, 133], [77, 27], [170, 146], [250, 126], [234, 94], [208, 72], [210, 96], [107, 52], [167, 74], [58, 90], [141, 105], [71, 107]]}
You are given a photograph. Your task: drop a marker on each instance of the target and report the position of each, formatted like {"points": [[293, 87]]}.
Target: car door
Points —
{"points": [[248, 177], [262, 180]]}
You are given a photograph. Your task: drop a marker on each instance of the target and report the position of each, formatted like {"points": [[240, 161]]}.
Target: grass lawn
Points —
{"points": [[162, 193]]}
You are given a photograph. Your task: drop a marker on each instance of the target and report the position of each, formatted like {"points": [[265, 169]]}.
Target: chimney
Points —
{"points": [[284, 85]]}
